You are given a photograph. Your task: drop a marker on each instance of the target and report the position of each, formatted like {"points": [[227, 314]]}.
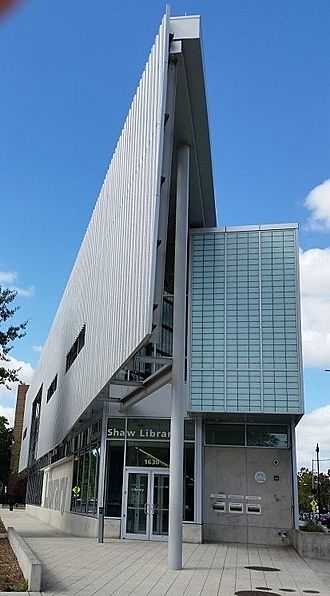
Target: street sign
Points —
{"points": [[313, 504]]}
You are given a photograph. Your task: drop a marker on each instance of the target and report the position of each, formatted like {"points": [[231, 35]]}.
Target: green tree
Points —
{"points": [[305, 489], [6, 439], [8, 334], [306, 484]]}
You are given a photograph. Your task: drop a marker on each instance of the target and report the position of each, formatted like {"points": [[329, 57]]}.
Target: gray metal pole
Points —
{"points": [[178, 367], [102, 462], [318, 479]]}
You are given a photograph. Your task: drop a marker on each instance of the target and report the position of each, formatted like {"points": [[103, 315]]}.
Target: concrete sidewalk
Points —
{"points": [[81, 566]]}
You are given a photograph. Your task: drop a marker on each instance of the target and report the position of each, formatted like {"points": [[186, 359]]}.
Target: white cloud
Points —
{"points": [[37, 348], [318, 202], [312, 429], [9, 278], [26, 292], [315, 306], [8, 413], [25, 375]]}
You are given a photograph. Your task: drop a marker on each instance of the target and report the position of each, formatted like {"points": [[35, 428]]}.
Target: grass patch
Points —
{"points": [[21, 586]]}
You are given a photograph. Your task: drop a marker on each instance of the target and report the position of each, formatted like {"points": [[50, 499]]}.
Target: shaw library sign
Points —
{"points": [[138, 429]]}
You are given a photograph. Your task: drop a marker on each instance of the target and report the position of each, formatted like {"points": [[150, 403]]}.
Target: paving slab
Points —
{"points": [[83, 567]]}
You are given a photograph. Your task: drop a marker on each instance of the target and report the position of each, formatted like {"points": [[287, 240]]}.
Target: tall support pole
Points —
{"points": [[318, 478], [102, 462], [178, 367]]}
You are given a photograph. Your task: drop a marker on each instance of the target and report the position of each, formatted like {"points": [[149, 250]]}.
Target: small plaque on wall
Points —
{"points": [[260, 477]]}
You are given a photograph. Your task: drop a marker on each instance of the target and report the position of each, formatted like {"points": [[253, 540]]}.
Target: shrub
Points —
{"points": [[21, 586], [312, 526]]}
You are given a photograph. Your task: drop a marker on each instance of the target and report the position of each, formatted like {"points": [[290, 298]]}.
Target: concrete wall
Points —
{"points": [[230, 479], [73, 523], [311, 544], [57, 483], [85, 526]]}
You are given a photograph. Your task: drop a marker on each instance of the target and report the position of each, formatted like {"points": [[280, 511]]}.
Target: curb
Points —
{"points": [[28, 562]]}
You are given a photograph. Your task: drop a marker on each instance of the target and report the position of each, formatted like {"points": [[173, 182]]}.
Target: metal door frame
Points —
{"points": [[151, 473]]}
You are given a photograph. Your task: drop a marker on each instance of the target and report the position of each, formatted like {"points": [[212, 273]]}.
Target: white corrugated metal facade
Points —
{"points": [[111, 287]]}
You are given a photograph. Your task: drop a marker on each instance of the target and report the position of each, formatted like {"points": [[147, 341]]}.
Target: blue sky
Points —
{"points": [[69, 69]]}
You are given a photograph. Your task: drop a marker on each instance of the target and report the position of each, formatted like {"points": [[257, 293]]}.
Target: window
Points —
{"points": [[267, 436], [24, 434], [36, 407], [251, 435], [147, 445], [114, 478], [85, 480], [76, 348], [52, 388], [224, 434]]}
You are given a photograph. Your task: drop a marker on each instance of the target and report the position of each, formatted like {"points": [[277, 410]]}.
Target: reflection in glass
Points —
{"points": [[160, 505], [85, 480], [136, 521], [188, 482], [225, 434], [267, 436], [114, 478], [144, 453]]}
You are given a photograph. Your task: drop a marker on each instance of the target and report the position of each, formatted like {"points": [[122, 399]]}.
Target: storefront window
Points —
{"points": [[114, 478], [85, 480], [150, 430], [147, 445], [147, 453], [189, 482]]}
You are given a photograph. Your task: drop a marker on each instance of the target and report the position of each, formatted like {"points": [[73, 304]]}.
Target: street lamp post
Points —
{"points": [[318, 478]]}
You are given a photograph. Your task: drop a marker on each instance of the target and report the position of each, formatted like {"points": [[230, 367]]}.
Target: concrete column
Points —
{"points": [[178, 367]]}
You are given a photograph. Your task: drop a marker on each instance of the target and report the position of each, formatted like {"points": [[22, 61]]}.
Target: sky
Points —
{"points": [[68, 72]]}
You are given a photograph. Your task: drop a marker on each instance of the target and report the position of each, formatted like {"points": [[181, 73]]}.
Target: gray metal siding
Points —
{"points": [[111, 287]]}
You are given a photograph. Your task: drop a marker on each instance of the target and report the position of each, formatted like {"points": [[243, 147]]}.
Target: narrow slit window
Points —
{"points": [[52, 388], [76, 348]]}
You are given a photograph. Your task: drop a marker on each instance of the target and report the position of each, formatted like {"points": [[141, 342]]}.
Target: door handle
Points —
{"points": [[148, 508]]}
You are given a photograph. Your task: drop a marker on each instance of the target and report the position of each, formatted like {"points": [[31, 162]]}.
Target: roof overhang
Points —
{"points": [[191, 120]]}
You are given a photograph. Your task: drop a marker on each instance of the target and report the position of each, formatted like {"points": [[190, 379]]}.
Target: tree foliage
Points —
{"points": [[8, 334], [6, 439], [307, 490]]}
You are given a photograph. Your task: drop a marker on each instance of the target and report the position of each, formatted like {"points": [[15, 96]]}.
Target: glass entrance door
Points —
{"points": [[146, 504], [160, 489], [137, 505]]}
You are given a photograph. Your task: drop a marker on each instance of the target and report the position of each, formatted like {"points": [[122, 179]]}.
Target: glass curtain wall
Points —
{"points": [[85, 480], [142, 450]]}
